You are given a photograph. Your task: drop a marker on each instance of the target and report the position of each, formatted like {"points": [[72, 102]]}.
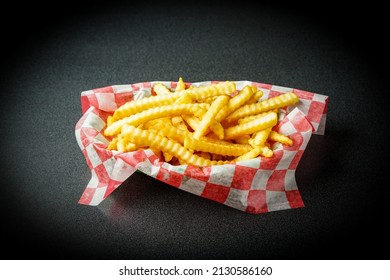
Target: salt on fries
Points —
{"points": [[205, 125]]}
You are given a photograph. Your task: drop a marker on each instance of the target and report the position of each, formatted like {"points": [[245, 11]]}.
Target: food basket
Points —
{"points": [[255, 186]]}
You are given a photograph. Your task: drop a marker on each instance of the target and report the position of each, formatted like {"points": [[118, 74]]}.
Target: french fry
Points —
{"points": [[260, 137], [261, 123], [278, 137], [180, 85], [210, 114], [253, 153], [280, 101], [264, 151], [227, 149], [161, 89], [217, 128], [192, 121], [167, 156], [255, 97], [208, 100], [113, 144], [185, 98], [124, 145], [224, 88], [136, 106], [234, 103], [253, 117]]}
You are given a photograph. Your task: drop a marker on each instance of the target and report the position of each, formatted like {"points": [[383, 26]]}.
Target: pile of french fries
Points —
{"points": [[205, 125]]}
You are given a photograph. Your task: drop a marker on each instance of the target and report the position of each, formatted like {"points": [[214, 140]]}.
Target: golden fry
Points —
{"points": [[136, 106], [185, 98], [261, 123], [278, 137], [259, 138], [223, 88], [210, 114], [161, 89], [180, 85], [227, 149], [113, 144], [253, 117], [167, 156], [255, 97], [255, 152], [192, 121], [280, 101], [217, 128], [234, 103]]}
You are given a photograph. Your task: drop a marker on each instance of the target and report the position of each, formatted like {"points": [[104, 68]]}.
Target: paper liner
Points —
{"points": [[255, 186]]}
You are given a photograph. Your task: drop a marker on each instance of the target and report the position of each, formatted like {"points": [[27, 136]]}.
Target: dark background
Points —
{"points": [[49, 56]]}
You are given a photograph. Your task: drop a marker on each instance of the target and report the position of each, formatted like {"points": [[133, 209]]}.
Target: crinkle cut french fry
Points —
{"points": [[210, 114], [259, 138], [154, 113], [192, 121], [160, 89], [167, 156], [208, 100], [110, 120], [136, 106], [180, 85], [253, 117], [123, 145], [227, 149], [153, 140], [266, 152], [223, 88], [234, 103], [176, 120], [113, 144], [249, 155], [218, 141], [255, 97], [261, 150], [280, 101], [217, 128], [156, 124], [185, 98], [261, 123], [278, 137]]}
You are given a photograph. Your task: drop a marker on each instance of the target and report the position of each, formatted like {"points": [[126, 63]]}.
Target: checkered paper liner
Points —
{"points": [[256, 186]]}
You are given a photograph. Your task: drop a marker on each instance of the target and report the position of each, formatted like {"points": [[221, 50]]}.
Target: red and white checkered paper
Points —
{"points": [[255, 186]]}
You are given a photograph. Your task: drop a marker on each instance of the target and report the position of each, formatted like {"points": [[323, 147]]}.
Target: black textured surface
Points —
{"points": [[47, 63]]}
